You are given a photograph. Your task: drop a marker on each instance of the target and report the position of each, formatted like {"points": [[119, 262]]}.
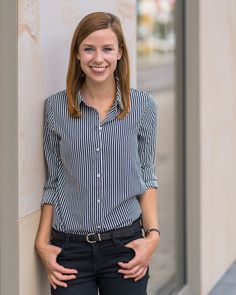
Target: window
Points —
{"points": [[159, 34]]}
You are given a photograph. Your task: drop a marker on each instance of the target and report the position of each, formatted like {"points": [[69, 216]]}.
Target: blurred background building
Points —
{"points": [[183, 53]]}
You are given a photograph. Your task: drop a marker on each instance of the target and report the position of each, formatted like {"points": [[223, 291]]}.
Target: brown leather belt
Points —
{"points": [[126, 231]]}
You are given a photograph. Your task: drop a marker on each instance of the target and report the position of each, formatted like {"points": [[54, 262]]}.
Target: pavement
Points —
{"points": [[227, 284]]}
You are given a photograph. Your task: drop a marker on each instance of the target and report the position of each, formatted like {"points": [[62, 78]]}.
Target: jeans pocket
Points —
{"points": [[123, 241]]}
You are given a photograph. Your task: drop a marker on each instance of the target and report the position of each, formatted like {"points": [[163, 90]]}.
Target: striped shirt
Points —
{"points": [[96, 170]]}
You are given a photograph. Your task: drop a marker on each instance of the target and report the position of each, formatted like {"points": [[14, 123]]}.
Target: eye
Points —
{"points": [[88, 49], [107, 49]]}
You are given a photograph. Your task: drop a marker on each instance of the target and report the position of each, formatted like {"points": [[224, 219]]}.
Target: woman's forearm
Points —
{"points": [[45, 225], [149, 207]]}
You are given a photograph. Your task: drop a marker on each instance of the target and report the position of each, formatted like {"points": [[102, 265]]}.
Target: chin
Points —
{"points": [[100, 79]]}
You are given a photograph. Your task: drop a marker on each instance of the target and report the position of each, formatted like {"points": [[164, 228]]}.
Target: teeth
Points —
{"points": [[101, 69]]}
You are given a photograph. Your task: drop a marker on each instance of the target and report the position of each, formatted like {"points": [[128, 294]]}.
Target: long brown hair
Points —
{"points": [[75, 76]]}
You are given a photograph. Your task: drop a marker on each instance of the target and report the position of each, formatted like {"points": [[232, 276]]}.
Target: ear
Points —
{"points": [[78, 56], [119, 55]]}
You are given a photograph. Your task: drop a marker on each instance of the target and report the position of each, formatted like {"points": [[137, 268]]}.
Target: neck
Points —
{"points": [[99, 91]]}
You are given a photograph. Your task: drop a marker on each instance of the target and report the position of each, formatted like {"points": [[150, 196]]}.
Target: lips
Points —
{"points": [[98, 69]]}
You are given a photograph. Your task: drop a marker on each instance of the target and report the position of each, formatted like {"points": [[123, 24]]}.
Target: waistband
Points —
{"points": [[127, 231]]}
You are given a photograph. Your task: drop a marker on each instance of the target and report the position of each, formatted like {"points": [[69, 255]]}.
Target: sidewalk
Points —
{"points": [[227, 284]]}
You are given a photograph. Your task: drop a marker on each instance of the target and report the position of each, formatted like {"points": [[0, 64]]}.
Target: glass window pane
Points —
{"points": [[156, 49]]}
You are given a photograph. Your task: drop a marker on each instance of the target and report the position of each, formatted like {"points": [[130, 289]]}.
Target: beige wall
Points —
{"points": [[218, 138], [45, 30]]}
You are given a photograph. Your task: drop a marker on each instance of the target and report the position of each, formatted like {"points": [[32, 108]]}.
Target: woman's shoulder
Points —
{"points": [[57, 99], [142, 97]]}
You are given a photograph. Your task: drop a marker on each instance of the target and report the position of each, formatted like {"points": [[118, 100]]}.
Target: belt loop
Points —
{"points": [[140, 220], [114, 240], [141, 224]]}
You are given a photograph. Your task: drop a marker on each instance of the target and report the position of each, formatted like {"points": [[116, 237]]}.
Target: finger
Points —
{"points": [[131, 271], [68, 277], [136, 274], [52, 284], [57, 282], [61, 269], [140, 277], [62, 277], [129, 265]]}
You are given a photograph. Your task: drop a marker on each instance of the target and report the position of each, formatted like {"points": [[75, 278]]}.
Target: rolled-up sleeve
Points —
{"points": [[147, 143], [51, 154]]}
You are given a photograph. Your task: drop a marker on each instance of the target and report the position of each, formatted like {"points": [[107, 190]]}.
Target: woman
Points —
{"points": [[99, 143]]}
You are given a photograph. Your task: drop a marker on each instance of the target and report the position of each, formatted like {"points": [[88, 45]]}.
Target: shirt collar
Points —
{"points": [[80, 97]]}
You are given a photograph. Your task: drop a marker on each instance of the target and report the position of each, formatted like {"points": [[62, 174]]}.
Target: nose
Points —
{"points": [[98, 58]]}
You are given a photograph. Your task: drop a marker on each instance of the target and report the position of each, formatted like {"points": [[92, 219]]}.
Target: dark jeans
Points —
{"points": [[97, 266]]}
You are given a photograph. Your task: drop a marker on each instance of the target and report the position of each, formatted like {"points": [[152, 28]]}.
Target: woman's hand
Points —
{"points": [[136, 268], [57, 274]]}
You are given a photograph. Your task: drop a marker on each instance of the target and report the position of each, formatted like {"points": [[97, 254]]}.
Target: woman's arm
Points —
{"points": [[45, 225], [47, 252], [57, 274], [149, 207], [144, 248]]}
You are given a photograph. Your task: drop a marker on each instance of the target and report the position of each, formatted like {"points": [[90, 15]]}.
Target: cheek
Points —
{"points": [[112, 59], [115, 63], [84, 63], [85, 58]]}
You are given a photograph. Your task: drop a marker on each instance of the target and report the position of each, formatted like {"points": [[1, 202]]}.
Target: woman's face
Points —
{"points": [[98, 54]]}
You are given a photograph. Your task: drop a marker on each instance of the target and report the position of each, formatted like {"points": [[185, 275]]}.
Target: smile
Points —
{"points": [[99, 69]]}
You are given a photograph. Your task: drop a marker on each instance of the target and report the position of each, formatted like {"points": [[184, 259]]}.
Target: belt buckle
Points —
{"points": [[93, 241]]}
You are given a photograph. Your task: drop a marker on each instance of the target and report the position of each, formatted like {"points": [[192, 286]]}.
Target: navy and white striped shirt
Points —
{"points": [[96, 170]]}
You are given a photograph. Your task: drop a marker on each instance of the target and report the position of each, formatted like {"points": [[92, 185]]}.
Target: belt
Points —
{"points": [[126, 231]]}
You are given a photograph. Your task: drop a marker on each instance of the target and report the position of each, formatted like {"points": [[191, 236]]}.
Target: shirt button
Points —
{"points": [[98, 200], [97, 149], [100, 128], [98, 175], [98, 226]]}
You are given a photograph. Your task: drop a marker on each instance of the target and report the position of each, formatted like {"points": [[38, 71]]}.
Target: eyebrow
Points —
{"points": [[106, 45]]}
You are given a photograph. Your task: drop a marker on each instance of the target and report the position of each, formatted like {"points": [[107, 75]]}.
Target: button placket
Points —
{"points": [[99, 175]]}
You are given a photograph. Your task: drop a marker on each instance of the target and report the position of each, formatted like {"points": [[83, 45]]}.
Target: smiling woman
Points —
{"points": [[99, 54], [100, 192], [115, 42]]}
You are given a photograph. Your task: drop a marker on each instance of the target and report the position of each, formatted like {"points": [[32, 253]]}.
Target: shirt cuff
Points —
{"points": [[151, 184], [49, 197]]}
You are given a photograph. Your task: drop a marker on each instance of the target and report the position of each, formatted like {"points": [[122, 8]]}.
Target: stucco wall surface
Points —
{"points": [[218, 138]]}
